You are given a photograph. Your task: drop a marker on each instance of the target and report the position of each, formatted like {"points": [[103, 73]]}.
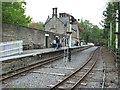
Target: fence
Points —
{"points": [[10, 48]]}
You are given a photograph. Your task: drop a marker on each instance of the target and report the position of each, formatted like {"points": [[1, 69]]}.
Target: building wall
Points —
{"points": [[78, 35], [32, 38], [55, 25], [74, 34]]}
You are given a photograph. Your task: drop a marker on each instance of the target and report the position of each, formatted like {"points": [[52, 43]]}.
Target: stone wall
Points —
{"points": [[55, 25], [32, 38]]}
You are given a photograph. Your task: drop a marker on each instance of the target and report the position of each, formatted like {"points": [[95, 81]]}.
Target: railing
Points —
{"points": [[10, 48]]}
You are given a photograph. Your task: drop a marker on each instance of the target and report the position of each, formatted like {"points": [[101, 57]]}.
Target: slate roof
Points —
{"points": [[48, 20], [74, 27], [63, 19]]}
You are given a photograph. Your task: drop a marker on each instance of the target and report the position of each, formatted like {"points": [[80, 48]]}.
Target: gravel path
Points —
{"points": [[39, 80]]}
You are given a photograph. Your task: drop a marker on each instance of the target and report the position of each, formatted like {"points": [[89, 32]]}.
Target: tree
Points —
{"points": [[13, 12], [91, 32], [110, 17], [37, 25]]}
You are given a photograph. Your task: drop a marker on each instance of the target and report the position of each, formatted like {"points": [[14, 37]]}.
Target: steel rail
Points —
{"points": [[104, 69], [14, 71], [3, 74], [73, 87], [69, 76], [30, 67]]}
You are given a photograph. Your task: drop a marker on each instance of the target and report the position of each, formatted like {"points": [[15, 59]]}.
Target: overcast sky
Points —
{"points": [[87, 9]]}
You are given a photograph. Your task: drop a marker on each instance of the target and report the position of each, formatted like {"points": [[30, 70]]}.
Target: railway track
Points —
{"points": [[104, 69], [76, 77], [25, 69]]}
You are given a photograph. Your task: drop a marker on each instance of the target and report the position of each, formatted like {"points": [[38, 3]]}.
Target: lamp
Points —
{"points": [[46, 40]]}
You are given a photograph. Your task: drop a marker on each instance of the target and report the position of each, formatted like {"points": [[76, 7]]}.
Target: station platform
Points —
{"points": [[26, 53], [34, 52]]}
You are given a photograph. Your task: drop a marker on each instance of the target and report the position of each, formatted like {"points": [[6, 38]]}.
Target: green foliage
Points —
{"points": [[91, 32], [37, 25], [13, 12], [110, 17]]}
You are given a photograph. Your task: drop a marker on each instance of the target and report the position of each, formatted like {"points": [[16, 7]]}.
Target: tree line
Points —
{"points": [[94, 34], [14, 13], [110, 18], [91, 33]]}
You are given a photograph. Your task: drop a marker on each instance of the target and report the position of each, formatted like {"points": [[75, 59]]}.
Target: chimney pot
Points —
{"points": [[54, 12], [60, 14]]}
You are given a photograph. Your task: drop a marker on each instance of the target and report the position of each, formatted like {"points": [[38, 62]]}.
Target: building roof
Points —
{"points": [[48, 20], [74, 27], [63, 19]]}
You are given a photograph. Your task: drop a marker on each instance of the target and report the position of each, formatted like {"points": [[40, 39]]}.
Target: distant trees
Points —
{"points": [[110, 17], [37, 25], [91, 32], [13, 12]]}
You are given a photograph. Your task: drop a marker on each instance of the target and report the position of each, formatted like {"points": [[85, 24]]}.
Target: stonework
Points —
{"points": [[36, 39], [61, 25], [32, 38], [55, 26]]}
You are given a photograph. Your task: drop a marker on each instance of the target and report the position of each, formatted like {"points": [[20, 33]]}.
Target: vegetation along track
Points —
{"points": [[90, 63]]}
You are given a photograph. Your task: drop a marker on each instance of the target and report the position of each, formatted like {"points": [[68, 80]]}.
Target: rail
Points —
{"points": [[15, 72], [56, 86], [25, 69], [10, 48]]}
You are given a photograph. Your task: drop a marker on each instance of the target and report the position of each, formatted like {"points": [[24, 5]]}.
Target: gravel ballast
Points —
{"points": [[43, 77]]}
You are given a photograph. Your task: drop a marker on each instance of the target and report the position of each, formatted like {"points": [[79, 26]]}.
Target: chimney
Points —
{"points": [[63, 14], [54, 12], [60, 14]]}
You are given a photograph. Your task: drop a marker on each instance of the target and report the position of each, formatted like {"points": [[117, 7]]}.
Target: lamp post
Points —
{"points": [[46, 40]]}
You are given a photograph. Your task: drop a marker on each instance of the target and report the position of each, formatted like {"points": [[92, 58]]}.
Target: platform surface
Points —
{"points": [[33, 52], [26, 53]]}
